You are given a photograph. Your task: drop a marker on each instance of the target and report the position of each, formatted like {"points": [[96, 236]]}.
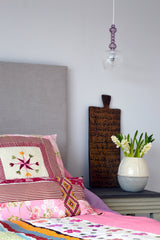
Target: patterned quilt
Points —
{"points": [[68, 228]]}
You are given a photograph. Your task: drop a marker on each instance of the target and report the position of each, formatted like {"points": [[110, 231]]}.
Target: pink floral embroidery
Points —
{"points": [[24, 163]]}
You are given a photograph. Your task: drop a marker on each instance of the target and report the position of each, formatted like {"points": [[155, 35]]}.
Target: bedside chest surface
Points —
{"points": [[145, 202]]}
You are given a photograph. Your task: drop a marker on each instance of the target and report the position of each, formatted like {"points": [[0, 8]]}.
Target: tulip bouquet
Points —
{"points": [[133, 147]]}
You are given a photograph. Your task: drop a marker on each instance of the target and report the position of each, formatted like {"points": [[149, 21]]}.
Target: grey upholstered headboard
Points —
{"points": [[33, 100]]}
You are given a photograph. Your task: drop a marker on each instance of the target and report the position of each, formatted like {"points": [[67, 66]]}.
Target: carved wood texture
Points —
{"points": [[104, 157]]}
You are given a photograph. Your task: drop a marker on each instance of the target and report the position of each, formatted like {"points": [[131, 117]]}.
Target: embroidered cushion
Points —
{"points": [[52, 138], [24, 157]]}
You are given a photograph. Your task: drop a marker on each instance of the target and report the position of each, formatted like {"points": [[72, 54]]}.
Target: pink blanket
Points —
{"points": [[114, 219], [129, 222]]}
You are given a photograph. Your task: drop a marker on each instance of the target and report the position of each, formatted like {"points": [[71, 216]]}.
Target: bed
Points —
{"points": [[39, 199]]}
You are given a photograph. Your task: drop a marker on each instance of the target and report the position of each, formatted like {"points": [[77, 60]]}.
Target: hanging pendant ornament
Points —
{"points": [[112, 30], [112, 57]]}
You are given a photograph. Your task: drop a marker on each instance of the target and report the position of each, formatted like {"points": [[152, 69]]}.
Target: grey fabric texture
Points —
{"points": [[33, 100]]}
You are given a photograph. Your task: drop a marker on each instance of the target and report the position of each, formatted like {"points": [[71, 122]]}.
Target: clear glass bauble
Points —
{"points": [[112, 58]]}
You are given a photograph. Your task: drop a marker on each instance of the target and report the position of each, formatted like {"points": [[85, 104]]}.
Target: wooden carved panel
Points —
{"points": [[104, 157]]}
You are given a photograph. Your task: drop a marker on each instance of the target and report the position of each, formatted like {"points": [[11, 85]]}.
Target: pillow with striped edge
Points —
{"points": [[27, 157], [52, 138], [67, 199]]}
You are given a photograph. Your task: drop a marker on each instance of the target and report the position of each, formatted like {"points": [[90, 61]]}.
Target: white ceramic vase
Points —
{"points": [[133, 174]]}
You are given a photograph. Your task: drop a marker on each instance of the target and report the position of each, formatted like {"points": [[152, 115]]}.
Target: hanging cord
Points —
{"points": [[113, 13]]}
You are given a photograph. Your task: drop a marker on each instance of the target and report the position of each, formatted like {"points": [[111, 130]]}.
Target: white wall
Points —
{"points": [[75, 33]]}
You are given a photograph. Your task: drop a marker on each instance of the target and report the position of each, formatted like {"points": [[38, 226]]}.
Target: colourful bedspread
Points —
{"points": [[107, 226]]}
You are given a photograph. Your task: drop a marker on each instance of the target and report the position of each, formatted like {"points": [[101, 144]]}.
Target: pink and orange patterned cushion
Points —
{"points": [[72, 206]]}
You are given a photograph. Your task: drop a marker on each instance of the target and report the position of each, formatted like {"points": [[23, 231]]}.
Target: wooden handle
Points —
{"points": [[106, 100]]}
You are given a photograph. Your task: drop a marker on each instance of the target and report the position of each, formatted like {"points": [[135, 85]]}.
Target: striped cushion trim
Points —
{"points": [[48, 188], [30, 191], [78, 192]]}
